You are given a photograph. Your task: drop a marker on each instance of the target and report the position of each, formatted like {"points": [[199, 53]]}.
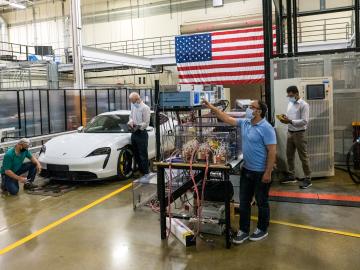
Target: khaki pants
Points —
{"points": [[297, 141]]}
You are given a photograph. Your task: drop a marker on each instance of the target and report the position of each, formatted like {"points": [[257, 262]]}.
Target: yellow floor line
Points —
{"points": [[62, 220], [312, 228]]}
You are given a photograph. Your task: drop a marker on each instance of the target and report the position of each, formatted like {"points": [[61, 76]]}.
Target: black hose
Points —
{"points": [[355, 177]]}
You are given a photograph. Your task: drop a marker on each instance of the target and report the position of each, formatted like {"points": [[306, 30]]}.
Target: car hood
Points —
{"points": [[79, 145]]}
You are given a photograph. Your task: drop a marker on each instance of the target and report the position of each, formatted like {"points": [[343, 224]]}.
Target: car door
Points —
{"points": [[152, 138]]}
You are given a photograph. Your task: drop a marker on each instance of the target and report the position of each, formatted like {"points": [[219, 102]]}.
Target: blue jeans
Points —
{"points": [[12, 185], [251, 184]]}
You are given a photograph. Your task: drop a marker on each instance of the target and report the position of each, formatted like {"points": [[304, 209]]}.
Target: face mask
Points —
{"points": [[23, 150], [135, 104], [292, 99], [249, 113]]}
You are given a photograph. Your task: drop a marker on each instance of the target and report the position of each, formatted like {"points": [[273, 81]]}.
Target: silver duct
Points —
{"points": [[209, 26]]}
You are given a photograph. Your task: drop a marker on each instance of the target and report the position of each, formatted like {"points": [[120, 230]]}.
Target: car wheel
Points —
{"points": [[126, 163]]}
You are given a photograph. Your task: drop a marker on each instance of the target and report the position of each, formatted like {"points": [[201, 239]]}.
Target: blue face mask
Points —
{"points": [[249, 113], [292, 99], [136, 105]]}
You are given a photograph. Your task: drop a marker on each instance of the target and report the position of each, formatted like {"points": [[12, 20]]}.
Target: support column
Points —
{"points": [[34, 26], [66, 32], [76, 27], [268, 46], [52, 75], [289, 28], [357, 24], [295, 26], [280, 37]]}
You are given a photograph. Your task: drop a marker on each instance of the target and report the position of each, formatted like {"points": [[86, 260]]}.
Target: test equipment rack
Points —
{"points": [[224, 169]]}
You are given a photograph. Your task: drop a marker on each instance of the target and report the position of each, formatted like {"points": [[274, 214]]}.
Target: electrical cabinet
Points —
{"points": [[318, 93]]}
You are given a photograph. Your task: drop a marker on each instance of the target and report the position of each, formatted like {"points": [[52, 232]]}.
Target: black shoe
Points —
{"points": [[288, 180], [240, 238], [306, 183], [258, 235], [30, 186], [138, 174], [3, 188]]}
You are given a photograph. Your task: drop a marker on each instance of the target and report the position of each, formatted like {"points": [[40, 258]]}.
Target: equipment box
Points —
{"points": [[180, 99]]}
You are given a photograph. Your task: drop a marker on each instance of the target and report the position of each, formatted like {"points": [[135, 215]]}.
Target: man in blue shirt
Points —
{"points": [[13, 168], [259, 151]]}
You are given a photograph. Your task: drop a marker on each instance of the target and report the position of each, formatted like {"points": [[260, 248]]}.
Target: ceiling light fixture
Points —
{"points": [[17, 5]]}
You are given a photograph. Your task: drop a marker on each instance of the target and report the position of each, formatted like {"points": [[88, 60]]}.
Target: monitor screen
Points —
{"points": [[315, 91]]}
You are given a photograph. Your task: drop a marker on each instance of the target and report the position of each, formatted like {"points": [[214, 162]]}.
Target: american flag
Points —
{"points": [[226, 57]]}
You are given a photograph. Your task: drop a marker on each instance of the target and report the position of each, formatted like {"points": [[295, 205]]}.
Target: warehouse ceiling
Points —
{"points": [[97, 11], [8, 5]]}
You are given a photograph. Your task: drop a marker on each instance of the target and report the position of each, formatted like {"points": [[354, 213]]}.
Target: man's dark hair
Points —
{"points": [[263, 107], [292, 89]]}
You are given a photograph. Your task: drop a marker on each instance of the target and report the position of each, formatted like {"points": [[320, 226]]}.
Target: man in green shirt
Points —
{"points": [[13, 168]]}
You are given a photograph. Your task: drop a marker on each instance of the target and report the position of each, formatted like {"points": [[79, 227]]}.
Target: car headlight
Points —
{"points": [[100, 151], [43, 149]]}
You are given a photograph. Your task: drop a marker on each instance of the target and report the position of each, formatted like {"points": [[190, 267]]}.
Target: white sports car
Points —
{"points": [[99, 151]]}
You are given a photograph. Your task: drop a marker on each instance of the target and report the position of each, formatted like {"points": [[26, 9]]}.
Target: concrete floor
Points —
{"points": [[112, 236], [339, 184]]}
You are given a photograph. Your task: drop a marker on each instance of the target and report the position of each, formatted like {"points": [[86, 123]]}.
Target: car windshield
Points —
{"points": [[108, 124]]}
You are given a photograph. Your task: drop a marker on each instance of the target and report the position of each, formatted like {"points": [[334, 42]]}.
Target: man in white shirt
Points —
{"points": [[297, 119], [138, 123]]}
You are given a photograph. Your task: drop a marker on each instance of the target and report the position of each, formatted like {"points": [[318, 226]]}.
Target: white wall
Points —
{"points": [[48, 28], [307, 5]]}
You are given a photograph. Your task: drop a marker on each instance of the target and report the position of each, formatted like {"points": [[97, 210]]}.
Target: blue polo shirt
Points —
{"points": [[13, 161], [255, 138]]}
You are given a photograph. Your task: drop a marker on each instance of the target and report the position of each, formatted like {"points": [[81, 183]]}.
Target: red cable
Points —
{"points": [[203, 191], [169, 200], [194, 182], [170, 193]]}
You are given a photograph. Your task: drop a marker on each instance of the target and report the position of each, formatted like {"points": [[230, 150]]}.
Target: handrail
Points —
{"points": [[317, 20], [36, 139], [153, 46], [325, 29]]}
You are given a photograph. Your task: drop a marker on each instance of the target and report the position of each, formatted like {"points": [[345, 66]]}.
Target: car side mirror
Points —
{"points": [[80, 129]]}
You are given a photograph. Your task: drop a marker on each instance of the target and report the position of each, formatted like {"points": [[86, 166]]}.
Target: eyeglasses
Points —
{"points": [[253, 107]]}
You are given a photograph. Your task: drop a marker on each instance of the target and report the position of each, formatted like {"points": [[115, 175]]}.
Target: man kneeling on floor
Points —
{"points": [[259, 149], [14, 168]]}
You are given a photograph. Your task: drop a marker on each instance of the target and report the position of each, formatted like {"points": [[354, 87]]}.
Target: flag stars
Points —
{"points": [[193, 48]]}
